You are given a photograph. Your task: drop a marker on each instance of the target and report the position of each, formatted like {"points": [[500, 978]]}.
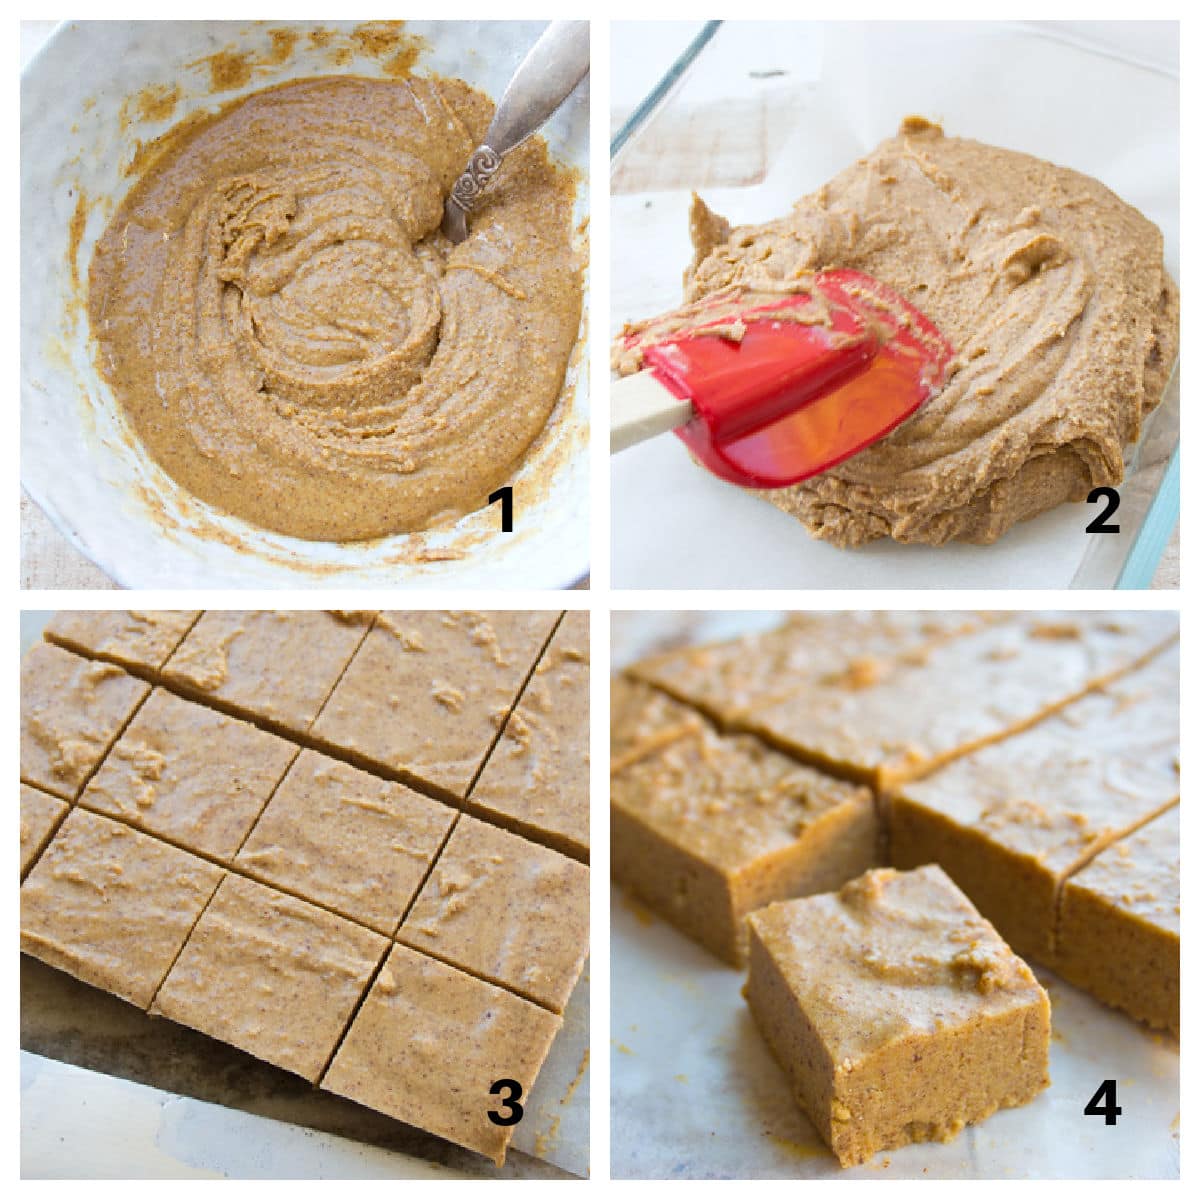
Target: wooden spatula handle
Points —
{"points": [[642, 408]]}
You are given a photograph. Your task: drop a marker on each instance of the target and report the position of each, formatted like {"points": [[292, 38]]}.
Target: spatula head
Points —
{"points": [[785, 388]]}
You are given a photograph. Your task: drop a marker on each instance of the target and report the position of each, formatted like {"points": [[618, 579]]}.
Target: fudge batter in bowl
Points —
{"points": [[295, 342], [1052, 291]]}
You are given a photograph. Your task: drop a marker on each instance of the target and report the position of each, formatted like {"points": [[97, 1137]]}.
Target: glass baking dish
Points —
{"points": [[753, 115]]}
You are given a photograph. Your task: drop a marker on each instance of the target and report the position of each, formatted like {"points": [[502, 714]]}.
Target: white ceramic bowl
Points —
{"points": [[80, 127]]}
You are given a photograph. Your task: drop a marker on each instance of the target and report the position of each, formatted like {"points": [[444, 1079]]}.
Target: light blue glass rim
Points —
{"points": [[1161, 518]]}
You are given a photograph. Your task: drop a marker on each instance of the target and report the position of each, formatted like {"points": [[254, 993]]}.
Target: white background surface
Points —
{"points": [[843, 89], [696, 1093]]}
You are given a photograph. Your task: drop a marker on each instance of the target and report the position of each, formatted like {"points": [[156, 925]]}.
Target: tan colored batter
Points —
{"points": [[1051, 289], [295, 342]]}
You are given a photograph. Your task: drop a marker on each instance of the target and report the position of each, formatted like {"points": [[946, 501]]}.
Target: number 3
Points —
{"points": [[515, 1111]]}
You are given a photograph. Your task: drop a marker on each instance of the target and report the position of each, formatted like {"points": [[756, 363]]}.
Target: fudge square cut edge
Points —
{"points": [[272, 975], [429, 1042], [439, 686], [897, 1012], [139, 640], [706, 828], [111, 905]]}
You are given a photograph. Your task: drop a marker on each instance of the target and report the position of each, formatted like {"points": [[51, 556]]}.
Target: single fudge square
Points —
{"points": [[536, 780], [643, 719], [507, 910], [906, 716], [190, 774], [427, 693], [1011, 822], [40, 815], [429, 1043], [896, 1010], [112, 906], [139, 641], [1118, 933], [346, 840], [272, 975], [278, 667], [72, 710], [708, 828]]}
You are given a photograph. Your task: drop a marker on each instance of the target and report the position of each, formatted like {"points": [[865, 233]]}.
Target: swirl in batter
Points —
{"points": [[293, 339]]}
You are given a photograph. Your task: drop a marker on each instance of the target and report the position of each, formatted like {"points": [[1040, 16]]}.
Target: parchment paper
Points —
{"points": [[816, 96], [696, 1093]]}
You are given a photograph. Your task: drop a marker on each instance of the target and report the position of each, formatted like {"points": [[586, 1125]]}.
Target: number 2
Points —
{"points": [[1104, 1103], [1112, 500], [515, 1111]]}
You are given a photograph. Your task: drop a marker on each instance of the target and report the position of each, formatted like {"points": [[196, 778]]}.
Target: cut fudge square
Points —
{"points": [[346, 840], [642, 719], [72, 710], [275, 666], [272, 975], [40, 815], [1118, 932], [921, 710], [429, 1043], [190, 774], [708, 828], [727, 680], [510, 911], [536, 780], [112, 906], [896, 1010], [139, 641], [426, 694], [1011, 822]]}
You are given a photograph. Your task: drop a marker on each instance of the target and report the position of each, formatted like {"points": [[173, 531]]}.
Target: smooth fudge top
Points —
{"points": [[893, 954]]}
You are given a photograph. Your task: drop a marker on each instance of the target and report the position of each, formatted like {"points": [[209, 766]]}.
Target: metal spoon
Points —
{"points": [[551, 71]]}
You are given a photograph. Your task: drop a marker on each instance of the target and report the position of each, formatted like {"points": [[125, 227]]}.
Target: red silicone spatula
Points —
{"points": [[770, 392]]}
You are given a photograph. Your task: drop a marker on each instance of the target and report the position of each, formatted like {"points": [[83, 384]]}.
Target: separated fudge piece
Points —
{"points": [[909, 715], [643, 719], [728, 680], [896, 1010], [272, 975], [429, 1043], [1011, 822], [427, 693], [536, 780], [274, 667], [40, 815], [189, 774], [72, 710], [112, 906], [708, 828], [344, 839], [1118, 931], [140, 642], [509, 911]]}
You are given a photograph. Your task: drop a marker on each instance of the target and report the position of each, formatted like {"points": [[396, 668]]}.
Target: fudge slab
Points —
{"points": [[190, 774], [507, 910], [139, 641], [112, 906], [429, 1043], [1011, 822], [728, 680], [72, 710], [896, 1010], [278, 667], [272, 975], [707, 828], [536, 780], [642, 719], [427, 693], [907, 716], [1118, 932], [40, 815], [346, 840]]}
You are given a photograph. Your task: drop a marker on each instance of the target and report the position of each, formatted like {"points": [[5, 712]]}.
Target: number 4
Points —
{"points": [[1104, 1103]]}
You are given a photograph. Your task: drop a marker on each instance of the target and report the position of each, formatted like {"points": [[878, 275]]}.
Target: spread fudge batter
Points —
{"points": [[293, 339], [1052, 291]]}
